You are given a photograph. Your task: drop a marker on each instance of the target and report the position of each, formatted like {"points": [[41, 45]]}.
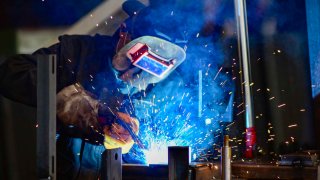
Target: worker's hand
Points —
{"points": [[77, 109], [118, 133]]}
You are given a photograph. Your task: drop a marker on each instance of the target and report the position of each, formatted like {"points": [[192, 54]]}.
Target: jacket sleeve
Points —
{"points": [[18, 76]]}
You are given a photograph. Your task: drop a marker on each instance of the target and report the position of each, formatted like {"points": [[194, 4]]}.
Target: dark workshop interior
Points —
{"points": [[243, 104]]}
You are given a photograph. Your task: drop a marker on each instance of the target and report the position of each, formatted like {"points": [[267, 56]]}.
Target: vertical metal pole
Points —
{"points": [[226, 159], [46, 117], [111, 168], [243, 43], [178, 162], [200, 95]]}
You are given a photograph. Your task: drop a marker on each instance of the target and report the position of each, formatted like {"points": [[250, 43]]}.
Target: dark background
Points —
{"points": [[280, 77]]}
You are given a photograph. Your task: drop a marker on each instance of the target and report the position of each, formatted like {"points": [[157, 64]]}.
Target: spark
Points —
{"points": [[281, 105], [240, 105], [292, 125], [217, 74], [302, 110], [240, 112]]}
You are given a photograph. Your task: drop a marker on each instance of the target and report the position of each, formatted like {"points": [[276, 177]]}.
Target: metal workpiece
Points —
{"points": [[111, 164], [46, 116], [178, 162]]}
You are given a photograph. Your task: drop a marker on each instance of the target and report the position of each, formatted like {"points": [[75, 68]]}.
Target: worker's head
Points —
{"points": [[155, 37], [146, 60]]}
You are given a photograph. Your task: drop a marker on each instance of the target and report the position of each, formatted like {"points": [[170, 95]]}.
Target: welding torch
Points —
{"points": [[108, 117]]}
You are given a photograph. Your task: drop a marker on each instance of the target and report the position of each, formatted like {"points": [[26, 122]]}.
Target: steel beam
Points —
{"points": [[46, 117]]}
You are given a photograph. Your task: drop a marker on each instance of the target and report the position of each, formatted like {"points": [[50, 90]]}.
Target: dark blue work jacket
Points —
{"points": [[81, 58]]}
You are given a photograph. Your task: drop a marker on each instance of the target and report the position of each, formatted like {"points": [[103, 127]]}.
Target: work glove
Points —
{"points": [[117, 136], [76, 108]]}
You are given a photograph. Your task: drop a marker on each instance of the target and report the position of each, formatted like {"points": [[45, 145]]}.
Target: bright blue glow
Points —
{"points": [[157, 153], [313, 15], [176, 111], [208, 121], [168, 116]]}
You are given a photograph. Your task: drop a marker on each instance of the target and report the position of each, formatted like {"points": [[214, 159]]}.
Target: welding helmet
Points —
{"points": [[156, 58]]}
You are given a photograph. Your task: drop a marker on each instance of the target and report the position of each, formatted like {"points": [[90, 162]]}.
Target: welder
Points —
{"points": [[95, 77]]}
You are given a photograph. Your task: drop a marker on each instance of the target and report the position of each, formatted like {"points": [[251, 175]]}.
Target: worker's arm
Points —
{"points": [[78, 111], [18, 77]]}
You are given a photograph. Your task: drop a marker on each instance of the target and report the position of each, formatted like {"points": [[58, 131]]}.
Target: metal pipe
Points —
{"points": [[226, 159], [243, 43]]}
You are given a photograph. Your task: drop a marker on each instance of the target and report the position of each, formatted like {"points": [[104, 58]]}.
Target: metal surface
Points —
{"points": [[241, 18], [111, 164], [178, 162], [243, 44], [146, 172], [272, 171], [46, 117], [240, 170]]}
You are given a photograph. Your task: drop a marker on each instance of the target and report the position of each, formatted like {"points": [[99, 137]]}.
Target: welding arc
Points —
{"points": [[127, 127], [111, 117]]}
